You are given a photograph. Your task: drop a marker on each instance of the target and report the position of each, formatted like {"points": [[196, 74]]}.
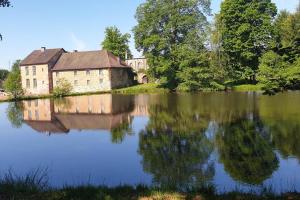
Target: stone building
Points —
{"points": [[140, 66], [89, 71]]}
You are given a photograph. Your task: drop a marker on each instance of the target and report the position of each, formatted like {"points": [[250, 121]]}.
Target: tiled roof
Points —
{"points": [[88, 60], [40, 57]]}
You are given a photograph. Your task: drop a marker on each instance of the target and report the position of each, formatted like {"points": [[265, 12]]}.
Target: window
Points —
{"points": [[29, 115], [75, 73], [27, 70], [56, 83], [33, 70], [27, 83], [29, 103], [43, 82], [57, 74], [88, 82], [101, 80], [88, 72], [75, 82], [34, 83], [101, 72]]}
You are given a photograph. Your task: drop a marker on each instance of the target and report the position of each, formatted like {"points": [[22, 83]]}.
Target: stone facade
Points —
{"points": [[140, 66], [85, 80], [89, 71], [35, 79]]}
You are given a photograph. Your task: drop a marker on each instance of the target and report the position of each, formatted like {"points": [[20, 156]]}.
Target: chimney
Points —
{"points": [[75, 51], [43, 49]]}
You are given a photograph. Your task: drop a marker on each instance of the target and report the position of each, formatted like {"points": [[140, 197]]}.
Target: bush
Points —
{"points": [[270, 72], [62, 88]]}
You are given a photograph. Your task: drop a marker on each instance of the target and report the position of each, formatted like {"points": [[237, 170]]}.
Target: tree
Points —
{"points": [[62, 88], [171, 34], [116, 42], [13, 83], [3, 74], [270, 72], [288, 29], [247, 32]]}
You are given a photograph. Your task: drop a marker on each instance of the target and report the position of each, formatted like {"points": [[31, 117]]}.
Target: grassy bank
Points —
{"points": [[144, 88], [137, 89], [247, 88], [34, 186]]}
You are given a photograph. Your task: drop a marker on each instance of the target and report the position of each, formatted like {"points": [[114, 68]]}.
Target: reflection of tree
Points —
{"points": [[246, 155], [286, 137], [63, 103], [175, 149], [14, 113], [118, 133]]}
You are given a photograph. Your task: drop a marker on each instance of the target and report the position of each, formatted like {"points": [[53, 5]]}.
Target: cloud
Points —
{"points": [[79, 44]]}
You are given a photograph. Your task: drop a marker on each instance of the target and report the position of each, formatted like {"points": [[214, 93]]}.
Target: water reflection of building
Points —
{"points": [[97, 112]]}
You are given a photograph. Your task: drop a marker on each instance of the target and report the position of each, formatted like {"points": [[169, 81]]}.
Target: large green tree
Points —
{"points": [[288, 29], [247, 32], [116, 42], [13, 83], [171, 34]]}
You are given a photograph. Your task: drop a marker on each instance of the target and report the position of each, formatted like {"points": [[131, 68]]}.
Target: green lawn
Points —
{"points": [[142, 88], [247, 87]]}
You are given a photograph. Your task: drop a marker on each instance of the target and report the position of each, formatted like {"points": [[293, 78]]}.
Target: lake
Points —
{"points": [[244, 141]]}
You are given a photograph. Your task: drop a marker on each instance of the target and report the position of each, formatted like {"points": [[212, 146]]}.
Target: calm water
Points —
{"points": [[243, 141]]}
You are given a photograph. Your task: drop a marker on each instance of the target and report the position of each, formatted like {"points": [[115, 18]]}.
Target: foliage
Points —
{"points": [[171, 35], [247, 32], [271, 72], [14, 114], [246, 155], [4, 3], [116, 42], [288, 29], [62, 88], [13, 83], [276, 74]]}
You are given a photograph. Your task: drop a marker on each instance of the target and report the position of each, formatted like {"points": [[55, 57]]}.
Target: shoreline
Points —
{"points": [[150, 88]]}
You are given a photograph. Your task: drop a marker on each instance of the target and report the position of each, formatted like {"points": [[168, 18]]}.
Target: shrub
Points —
{"points": [[62, 88]]}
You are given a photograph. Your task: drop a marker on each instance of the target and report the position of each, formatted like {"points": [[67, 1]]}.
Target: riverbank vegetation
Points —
{"points": [[186, 52], [34, 186]]}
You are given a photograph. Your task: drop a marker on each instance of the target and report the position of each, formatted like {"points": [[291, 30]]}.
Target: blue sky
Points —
{"points": [[70, 24]]}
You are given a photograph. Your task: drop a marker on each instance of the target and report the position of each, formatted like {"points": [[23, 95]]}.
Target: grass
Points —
{"points": [[247, 87], [143, 88], [34, 186]]}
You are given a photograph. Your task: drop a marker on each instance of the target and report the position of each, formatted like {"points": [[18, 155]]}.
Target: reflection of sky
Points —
{"points": [[79, 157]]}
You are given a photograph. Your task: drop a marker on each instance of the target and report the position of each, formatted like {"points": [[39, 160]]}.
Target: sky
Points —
{"points": [[69, 24]]}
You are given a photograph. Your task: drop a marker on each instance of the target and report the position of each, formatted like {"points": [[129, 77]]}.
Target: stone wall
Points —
{"points": [[85, 80], [41, 76]]}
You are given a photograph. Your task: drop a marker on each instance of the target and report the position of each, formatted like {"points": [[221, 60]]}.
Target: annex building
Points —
{"points": [[87, 71]]}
